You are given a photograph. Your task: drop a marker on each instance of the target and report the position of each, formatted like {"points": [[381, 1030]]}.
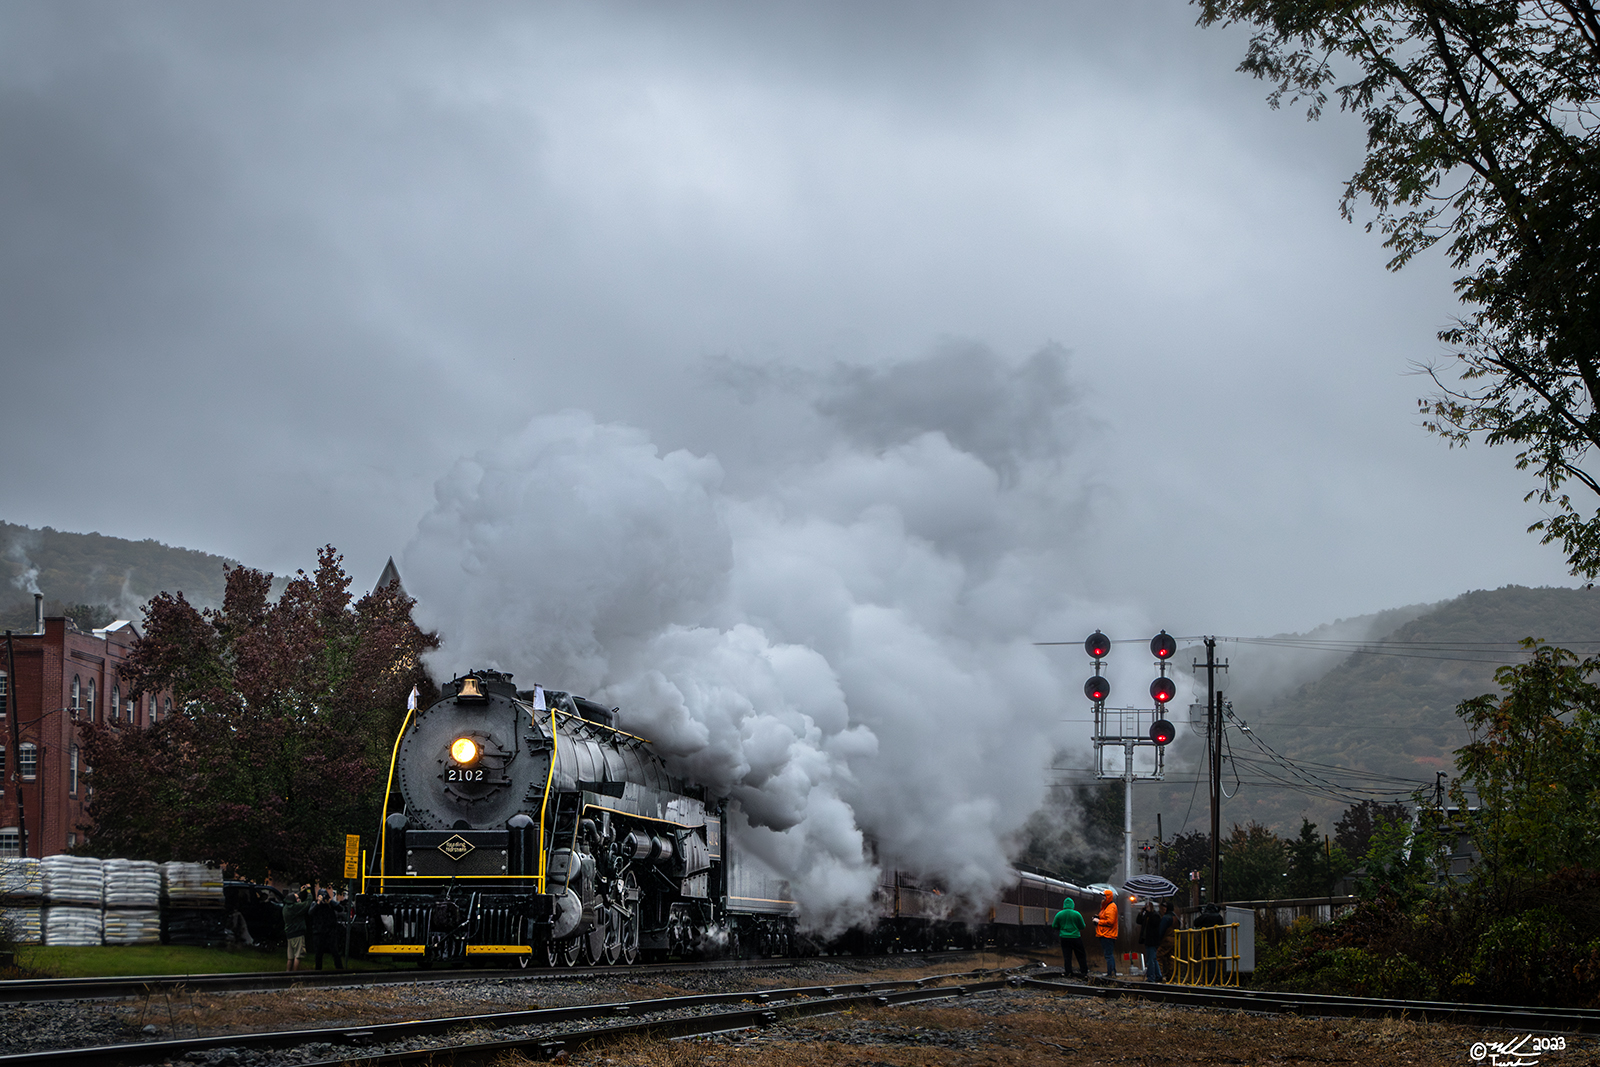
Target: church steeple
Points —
{"points": [[390, 574]]}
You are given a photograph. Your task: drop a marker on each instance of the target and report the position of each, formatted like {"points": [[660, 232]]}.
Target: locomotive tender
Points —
{"points": [[523, 825]]}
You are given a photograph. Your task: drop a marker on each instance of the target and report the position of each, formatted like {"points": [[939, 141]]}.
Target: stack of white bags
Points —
{"points": [[21, 890], [73, 880], [192, 885], [133, 902], [74, 893], [66, 925], [132, 884]]}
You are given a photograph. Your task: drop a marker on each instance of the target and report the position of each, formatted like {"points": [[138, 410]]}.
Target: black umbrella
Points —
{"points": [[1150, 885]]}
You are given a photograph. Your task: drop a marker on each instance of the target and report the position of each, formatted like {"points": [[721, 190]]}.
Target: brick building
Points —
{"points": [[63, 679]]}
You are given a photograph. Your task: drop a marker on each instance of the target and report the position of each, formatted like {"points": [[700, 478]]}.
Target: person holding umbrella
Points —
{"points": [[1155, 928], [1151, 927]]}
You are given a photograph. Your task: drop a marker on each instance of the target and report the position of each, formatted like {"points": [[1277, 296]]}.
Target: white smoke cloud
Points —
{"points": [[28, 578], [847, 651]]}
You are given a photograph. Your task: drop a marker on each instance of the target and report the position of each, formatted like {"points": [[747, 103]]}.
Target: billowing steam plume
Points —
{"points": [[848, 651]]}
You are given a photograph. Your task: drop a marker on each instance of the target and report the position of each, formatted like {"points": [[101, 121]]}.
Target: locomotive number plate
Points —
{"points": [[463, 774]]}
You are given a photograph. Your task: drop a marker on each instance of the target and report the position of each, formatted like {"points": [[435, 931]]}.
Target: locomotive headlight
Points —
{"points": [[464, 750]]}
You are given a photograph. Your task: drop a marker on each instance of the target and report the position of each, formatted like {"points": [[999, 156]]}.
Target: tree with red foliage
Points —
{"points": [[283, 716]]}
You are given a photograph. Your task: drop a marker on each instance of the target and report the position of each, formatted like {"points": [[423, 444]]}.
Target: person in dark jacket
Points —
{"points": [[1069, 924], [1169, 943], [1151, 928], [324, 922]]}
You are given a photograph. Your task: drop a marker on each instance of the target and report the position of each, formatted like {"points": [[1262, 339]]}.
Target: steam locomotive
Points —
{"points": [[524, 825]]}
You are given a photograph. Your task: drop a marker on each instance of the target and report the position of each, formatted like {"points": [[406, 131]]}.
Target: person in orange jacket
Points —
{"points": [[1105, 928]]}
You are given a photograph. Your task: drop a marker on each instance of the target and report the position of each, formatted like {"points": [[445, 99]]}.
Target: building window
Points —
{"points": [[77, 689], [10, 843], [153, 711], [132, 708], [2, 770], [72, 840], [88, 703], [28, 760], [116, 703], [72, 778], [166, 708]]}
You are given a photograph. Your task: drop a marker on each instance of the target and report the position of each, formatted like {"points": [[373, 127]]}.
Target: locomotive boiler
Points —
{"points": [[524, 824]]}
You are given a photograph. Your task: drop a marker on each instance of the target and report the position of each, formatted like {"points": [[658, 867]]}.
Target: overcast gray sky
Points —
{"points": [[270, 270], [782, 372]]}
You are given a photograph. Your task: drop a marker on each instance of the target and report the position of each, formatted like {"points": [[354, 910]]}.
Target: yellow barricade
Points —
{"points": [[1207, 955]]}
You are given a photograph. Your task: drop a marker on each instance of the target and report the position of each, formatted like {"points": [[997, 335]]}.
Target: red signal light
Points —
{"points": [[1163, 646], [1097, 645], [1097, 689], [1161, 732], [1163, 690]]}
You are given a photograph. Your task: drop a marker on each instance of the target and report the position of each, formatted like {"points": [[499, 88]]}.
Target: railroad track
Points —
{"points": [[552, 1029], [47, 989], [1542, 1020]]}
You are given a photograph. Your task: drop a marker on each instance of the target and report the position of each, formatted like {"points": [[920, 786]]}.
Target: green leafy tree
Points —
{"points": [[1255, 864], [1315, 863], [1482, 131], [1353, 832], [282, 721], [1534, 768]]}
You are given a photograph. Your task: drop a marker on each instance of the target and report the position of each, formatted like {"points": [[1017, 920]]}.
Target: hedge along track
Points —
{"points": [[769, 1006], [1509, 1017]]}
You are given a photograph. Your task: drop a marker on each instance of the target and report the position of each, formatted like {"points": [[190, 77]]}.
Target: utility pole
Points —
{"points": [[1214, 761]]}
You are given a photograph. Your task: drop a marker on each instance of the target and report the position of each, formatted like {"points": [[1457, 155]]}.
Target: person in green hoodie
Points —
{"points": [[1069, 924]]}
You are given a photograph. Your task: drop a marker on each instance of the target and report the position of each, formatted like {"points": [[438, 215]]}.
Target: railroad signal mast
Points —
{"points": [[1119, 731]]}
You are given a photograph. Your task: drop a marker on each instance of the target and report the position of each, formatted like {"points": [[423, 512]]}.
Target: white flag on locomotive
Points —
{"points": [[538, 698], [411, 701]]}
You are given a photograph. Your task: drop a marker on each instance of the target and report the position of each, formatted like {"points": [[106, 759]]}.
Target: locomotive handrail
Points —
{"points": [[383, 833], [598, 726], [544, 802]]}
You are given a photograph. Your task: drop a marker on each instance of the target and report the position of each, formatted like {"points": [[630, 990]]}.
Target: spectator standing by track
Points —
{"points": [[1149, 920], [1169, 942], [323, 919], [1105, 927], [1069, 924], [294, 929]]}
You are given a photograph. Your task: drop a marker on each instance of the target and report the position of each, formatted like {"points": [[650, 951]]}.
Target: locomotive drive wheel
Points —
{"points": [[628, 925], [611, 937], [569, 951], [546, 949]]}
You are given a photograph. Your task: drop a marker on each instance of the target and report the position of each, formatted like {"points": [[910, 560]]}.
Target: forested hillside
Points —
{"points": [[1386, 712], [111, 573]]}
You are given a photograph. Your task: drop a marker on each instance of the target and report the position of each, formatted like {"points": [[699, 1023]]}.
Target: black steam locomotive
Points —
{"points": [[524, 825]]}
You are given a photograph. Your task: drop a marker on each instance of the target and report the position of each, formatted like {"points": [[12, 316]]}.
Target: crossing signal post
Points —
{"points": [[1124, 730]]}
